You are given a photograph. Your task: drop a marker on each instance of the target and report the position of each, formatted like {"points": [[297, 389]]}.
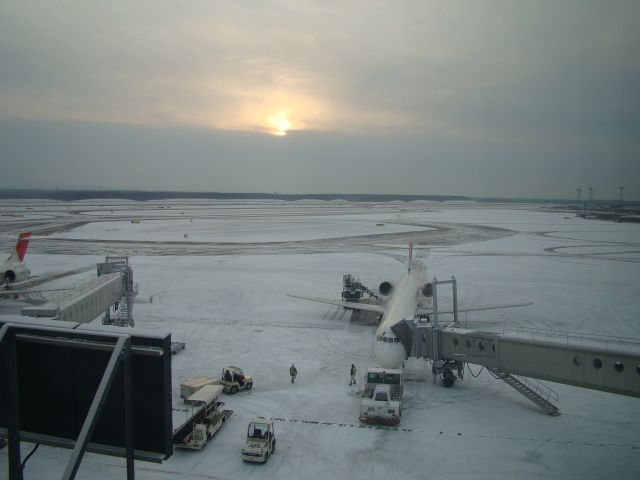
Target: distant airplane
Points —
{"points": [[405, 303], [13, 269]]}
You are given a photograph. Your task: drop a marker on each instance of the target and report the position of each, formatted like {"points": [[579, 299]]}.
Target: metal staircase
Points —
{"points": [[535, 391]]}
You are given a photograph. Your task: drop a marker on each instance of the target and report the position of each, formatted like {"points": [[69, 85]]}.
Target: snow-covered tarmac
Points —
{"points": [[229, 306]]}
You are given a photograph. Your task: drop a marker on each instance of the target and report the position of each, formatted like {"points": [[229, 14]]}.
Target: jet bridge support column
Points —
{"points": [[421, 338], [435, 357], [442, 366]]}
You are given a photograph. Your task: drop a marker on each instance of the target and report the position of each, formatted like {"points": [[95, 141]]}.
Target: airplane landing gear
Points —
{"points": [[448, 377], [445, 368]]}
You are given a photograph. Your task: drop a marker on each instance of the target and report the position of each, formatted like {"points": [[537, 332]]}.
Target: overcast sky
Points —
{"points": [[479, 98]]}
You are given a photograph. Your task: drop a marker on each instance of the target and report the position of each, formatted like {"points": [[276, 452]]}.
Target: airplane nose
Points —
{"points": [[389, 354]]}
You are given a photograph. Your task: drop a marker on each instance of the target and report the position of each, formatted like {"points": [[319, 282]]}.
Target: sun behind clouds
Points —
{"points": [[280, 124]]}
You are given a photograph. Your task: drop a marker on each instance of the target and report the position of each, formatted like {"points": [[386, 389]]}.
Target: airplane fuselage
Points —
{"points": [[388, 349]]}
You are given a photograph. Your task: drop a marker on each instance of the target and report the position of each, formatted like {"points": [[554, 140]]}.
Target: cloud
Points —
{"points": [[503, 79]]}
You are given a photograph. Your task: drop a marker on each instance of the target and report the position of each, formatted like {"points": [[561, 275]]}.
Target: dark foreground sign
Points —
{"points": [[58, 372]]}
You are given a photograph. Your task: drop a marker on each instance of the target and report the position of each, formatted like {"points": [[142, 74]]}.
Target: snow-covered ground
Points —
{"points": [[581, 275]]}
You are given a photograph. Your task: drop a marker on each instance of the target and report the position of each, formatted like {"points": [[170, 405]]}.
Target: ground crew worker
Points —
{"points": [[293, 372], [353, 372]]}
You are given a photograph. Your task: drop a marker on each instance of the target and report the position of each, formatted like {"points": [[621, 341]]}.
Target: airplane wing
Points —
{"points": [[428, 311], [340, 303]]}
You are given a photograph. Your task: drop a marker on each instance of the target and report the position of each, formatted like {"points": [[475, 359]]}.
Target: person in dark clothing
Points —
{"points": [[353, 372], [293, 371]]}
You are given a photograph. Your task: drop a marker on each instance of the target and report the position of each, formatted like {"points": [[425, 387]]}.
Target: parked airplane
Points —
{"points": [[409, 298], [13, 269]]}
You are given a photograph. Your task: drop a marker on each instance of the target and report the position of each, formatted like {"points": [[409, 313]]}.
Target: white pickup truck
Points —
{"points": [[382, 396]]}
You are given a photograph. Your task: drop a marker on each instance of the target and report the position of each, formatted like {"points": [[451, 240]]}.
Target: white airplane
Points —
{"points": [[409, 298], [13, 269]]}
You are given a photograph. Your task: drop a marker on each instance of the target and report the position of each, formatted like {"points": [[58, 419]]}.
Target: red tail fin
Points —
{"points": [[21, 246]]}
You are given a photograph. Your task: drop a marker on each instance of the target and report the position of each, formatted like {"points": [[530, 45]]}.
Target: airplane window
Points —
{"points": [[618, 366], [597, 363]]}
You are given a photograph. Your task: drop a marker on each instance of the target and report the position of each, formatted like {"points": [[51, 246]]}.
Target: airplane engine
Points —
{"points": [[15, 275], [427, 290], [385, 288]]}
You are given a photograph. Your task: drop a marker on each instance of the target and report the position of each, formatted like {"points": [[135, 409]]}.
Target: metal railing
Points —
{"points": [[538, 387]]}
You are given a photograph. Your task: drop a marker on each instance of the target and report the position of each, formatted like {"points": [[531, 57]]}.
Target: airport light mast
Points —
{"points": [[578, 203]]}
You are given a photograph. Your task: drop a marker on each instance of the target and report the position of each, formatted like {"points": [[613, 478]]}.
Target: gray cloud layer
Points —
{"points": [[477, 98]]}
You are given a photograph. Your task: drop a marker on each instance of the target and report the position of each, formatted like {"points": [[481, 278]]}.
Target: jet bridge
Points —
{"points": [[113, 286], [83, 303], [609, 364]]}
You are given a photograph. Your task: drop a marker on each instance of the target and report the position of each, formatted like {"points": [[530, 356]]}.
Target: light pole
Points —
{"points": [[621, 189], [578, 203]]}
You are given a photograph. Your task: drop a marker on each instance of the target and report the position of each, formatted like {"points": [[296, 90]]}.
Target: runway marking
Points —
{"points": [[344, 425], [632, 446]]}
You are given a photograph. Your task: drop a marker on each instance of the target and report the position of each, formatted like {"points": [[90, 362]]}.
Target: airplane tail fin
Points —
{"points": [[21, 247]]}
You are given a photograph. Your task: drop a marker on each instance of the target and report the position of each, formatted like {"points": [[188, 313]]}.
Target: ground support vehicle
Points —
{"points": [[205, 422], [233, 380], [382, 397], [261, 441], [191, 386], [177, 347]]}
